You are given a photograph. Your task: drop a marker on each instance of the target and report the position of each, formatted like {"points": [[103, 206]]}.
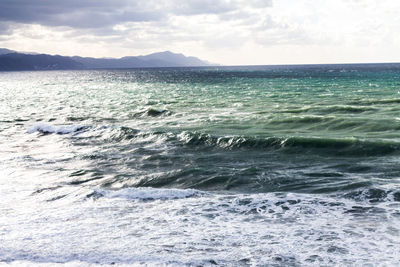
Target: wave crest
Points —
{"points": [[148, 193], [347, 146], [58, 129]]}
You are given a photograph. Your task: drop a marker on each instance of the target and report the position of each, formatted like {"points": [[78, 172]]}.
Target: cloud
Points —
{"points": [[143, 24], [76, 13], [103, 13], [5, 28], [217, 30]]}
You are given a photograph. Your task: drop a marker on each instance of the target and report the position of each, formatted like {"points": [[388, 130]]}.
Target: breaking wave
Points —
{"points": [[45, 128], [351, 146], [148, 193]]}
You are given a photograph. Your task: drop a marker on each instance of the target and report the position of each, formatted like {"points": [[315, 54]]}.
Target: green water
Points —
{"points": [[252, 130]]}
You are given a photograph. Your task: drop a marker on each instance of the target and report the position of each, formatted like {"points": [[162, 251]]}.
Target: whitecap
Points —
{"points": [[149, 193], [58, 129]]}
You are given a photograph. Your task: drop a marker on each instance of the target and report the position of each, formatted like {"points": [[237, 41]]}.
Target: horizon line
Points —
{"points": [[211, 64]]}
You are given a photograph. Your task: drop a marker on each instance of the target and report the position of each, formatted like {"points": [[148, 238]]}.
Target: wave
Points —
{"points": [[136, 159], [377, 101], [340, 109], [373, 195], [45, 128], [148, 193], [302, 120], [344, 109], [341, 146], [348, 146], [332, 123], [152, 112], [361, 195]]}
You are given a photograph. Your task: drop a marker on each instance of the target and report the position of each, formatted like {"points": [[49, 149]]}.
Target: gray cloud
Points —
{"points": [[102, 13], [75, 13], [5, 28]]}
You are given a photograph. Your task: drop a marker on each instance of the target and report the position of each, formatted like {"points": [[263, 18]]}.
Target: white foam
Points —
{"points": [[58, 129], [149, 193], [267, 229], [77, 263]]}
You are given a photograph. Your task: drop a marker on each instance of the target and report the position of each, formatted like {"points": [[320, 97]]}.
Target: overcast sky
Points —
{"points": [[230, 32]]}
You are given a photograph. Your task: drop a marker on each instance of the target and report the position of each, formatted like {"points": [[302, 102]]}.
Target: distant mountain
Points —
{"points": [[6, 51], [11, 60], [110, 63], [167, 58], [18, 61], [162, 59]]}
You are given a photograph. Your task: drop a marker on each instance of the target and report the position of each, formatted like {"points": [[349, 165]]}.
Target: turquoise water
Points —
{"points": [[251, 166]]}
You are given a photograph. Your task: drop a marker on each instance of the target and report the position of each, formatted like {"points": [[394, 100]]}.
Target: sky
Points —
{"points": [[227, 32]]}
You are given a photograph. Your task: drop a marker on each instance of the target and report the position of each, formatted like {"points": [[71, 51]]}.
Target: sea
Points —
{"points": [[215, 166]]}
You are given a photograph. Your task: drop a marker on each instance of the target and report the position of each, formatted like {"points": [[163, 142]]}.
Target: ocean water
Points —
{"points": [[244, 166]]}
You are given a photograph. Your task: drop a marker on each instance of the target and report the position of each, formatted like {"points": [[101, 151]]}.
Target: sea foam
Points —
{"points": [[149, 193], [58, 129]]}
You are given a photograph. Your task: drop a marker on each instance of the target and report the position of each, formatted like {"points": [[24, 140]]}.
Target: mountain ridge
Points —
{"points": [[13, 61]]}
